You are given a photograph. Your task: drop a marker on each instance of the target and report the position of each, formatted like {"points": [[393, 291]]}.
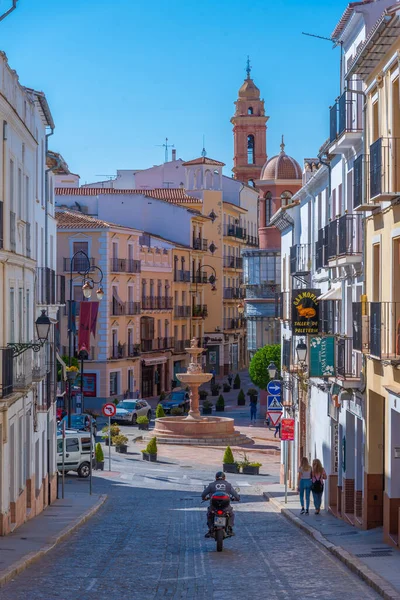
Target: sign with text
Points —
{"points": [[322, 356], [305, 311], [287, 430]]}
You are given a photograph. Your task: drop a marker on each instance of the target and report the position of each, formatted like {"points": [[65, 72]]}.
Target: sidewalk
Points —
{"points": [[38, 536], [362, 551]]}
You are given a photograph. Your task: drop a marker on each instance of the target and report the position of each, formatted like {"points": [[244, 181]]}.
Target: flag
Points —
{"points": [[72, 316], [87, 324]]}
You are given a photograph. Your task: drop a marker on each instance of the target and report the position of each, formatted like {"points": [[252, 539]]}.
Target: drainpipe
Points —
{"points": [[46, 202]]}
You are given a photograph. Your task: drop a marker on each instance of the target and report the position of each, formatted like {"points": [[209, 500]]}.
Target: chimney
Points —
{"points": [[173, 154]]}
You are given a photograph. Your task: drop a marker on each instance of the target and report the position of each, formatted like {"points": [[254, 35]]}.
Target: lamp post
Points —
{"points": [[42, 324]]}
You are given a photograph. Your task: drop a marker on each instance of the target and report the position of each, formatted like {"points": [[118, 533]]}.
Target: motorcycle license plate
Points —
{"points": [[219, 521]]}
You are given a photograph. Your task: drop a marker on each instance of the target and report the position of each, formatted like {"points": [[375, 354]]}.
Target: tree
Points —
{"points": [[159, 412], [258, 369]]}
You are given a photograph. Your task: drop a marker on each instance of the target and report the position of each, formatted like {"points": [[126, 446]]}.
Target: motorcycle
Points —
{"points": [[220, 529]]}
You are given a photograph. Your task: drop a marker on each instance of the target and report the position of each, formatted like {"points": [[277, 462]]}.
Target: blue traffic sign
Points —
{"points": [[274, 387], [274, 403]]}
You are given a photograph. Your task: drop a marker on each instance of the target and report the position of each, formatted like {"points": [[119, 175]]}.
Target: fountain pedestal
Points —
{"points": [[195, 429]]}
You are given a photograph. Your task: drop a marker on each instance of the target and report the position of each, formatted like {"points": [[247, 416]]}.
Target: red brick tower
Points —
{"points": [[249, 132]]}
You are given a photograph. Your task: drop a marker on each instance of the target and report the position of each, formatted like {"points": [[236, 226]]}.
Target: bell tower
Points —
{"points": [[249, 132]]}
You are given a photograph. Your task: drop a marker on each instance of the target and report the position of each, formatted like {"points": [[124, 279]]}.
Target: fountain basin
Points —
{"points": [[205, 430]]}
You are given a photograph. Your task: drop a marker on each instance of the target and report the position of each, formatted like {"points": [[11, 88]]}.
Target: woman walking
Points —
{"points": [[253, 410], [318, 475], [304, 484]]}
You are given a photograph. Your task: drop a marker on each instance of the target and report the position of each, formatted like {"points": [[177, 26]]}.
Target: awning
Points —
{"points": [[155, 360], [335, 293]]}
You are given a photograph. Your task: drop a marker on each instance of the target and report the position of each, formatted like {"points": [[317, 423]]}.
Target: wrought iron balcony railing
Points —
{"points": [[345, 237], [157, 302], [180, 345], [233, 262], [181, 312], [300, 259], [345, 116], [380, 329], [384, 169], [235, 231], [199, 311], [200, 244], [125, 265], [79, 264], [182, 276]]}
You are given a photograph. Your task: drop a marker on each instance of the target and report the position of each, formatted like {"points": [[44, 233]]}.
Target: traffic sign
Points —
{"points": [[274, 417], [287, 432], [274, 403], [274, 387], [109, 409]]}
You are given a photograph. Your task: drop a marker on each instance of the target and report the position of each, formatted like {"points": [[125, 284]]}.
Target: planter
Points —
{"points": [[106, 442], [100, 466], [207, 411], [250, 470], [242, 402], [71, 376], [143, 426], [149, 457], [219, 408], [227, 388], [230, 468], [122, 449]]}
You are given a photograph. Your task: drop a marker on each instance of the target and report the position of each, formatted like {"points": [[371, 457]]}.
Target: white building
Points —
{"points": [[27, 282]]}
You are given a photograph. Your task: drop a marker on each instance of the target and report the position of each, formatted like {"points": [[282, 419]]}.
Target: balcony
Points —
{"points": [[117, 309], [133, 350], [180, 345], [132, 308], [50, 288], [233, 262], [380, 330], [252, 240], [6, 372], [345, 122], [79, 264], [345, 240], [23, 370], [182, 312], [160, 343], [235, 323], [182, 276], [156, 302], [300, 259], [200, 244], [199, 311], [329, 316], [39, 367], [234, 293], [320, 250], [117, 352], [384, 170], [347, 364], [125, 265], [361, 183], [201, 277], [235, 231]]}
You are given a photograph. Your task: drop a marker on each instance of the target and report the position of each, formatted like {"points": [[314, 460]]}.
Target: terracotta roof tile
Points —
{"points": [[73, 219], [173, 195], [203, 160]]}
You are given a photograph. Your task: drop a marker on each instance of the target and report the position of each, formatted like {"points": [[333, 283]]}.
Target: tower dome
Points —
{"points": [[281, 166], [249, 90]]}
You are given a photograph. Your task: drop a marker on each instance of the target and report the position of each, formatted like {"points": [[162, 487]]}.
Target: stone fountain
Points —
{"points": [[195, 429]]}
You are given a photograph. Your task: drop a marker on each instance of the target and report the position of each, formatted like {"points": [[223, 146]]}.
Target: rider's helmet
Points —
{"points": [[220, 475]]}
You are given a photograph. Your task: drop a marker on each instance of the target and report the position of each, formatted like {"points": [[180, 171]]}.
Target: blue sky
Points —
{"points": [[121, 75]]}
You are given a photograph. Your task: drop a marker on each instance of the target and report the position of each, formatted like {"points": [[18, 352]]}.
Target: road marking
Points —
{"points": [[91, 585], [243, 483]]}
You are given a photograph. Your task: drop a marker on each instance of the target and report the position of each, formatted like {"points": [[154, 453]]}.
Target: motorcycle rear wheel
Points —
{"points": [[219, 537]]}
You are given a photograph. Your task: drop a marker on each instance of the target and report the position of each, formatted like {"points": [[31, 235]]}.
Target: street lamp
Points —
{"points": [[272, 370], [43, 324], [43, 327], [301, 351]]}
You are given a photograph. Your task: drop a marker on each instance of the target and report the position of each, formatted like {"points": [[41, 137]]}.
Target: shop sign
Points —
{"points": [[322, 356], [305, 311], [287, 431], [89, 385]]}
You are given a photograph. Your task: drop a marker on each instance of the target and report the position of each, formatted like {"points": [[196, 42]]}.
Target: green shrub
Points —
{"points": [[162, 397], [143, 420], [215, 389], [120, 440], [151, 447], [220, 403], [159, 412], [115, 430], [207, 404], [236, 382], [241, 398], [176, 411], [99, 453], [258, 369], [226, 387], [254, 464], [228, 457], [203, 394]]}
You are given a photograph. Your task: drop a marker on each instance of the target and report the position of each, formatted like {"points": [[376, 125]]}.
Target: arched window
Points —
{"points": [[250, 110], [251, 182], [250, 150], [285, 198], [268, 207]]}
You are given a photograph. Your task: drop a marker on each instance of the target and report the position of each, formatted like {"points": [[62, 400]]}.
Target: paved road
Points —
{"points": [[148, 543]]}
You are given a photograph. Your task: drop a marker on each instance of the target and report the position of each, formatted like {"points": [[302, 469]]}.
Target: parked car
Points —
{"points": [[77, 452], [176, 399], [129, 410], [80, 422]]}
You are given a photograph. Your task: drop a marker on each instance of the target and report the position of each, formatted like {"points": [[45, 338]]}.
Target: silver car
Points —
{"points": [[129, 410]]}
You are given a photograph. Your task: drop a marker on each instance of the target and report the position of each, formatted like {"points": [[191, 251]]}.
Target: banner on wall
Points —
{"points": [[305, 311], [322, 356]]}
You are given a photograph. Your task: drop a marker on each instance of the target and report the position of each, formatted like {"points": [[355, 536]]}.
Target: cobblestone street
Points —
{"points": [[148, 542]]}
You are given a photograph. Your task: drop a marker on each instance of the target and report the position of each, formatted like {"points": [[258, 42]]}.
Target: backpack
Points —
{"points": [[317, 486]]}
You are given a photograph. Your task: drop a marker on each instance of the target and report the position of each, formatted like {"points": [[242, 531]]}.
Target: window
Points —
{"points": [[131, 381], [12, 315], [251, 183], [85, 444], [11, 185], [20, 314], [250, 150], [71, 445], [19, 194], [113, 383], [250, 110], [27, 211], [286, 198], [28, 319], [268, 209]]}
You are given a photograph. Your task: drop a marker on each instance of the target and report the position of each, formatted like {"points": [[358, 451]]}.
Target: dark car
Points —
{"points": [[176, 399], [80, 422]]}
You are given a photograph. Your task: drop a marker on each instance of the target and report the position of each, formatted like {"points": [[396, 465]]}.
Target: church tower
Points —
{"points": [[249, 132]]}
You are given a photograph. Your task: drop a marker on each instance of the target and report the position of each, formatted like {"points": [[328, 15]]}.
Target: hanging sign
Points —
{"points": [[322, 356], [287, 430], [305, 311]]}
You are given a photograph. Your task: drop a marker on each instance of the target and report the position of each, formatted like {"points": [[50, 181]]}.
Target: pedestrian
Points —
{"points": [[318, 475], [277, 430], [304, 484], [253, 410], [137, 394], [230, 379], [213, 372]]}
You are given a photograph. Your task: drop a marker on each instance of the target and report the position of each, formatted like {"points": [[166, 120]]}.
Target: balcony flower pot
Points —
{"points": [[150, 452], [230, 468], [72, 374], [149, 457]]}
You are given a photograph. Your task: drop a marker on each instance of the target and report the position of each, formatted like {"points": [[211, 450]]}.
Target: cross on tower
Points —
{"points": [[248, 67]]}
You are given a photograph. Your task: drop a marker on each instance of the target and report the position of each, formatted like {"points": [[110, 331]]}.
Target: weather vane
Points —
{"points": [[248, 67]]}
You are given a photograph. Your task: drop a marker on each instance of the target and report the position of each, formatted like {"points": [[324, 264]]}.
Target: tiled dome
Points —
{"points": [[249, 90], [281, 166]]}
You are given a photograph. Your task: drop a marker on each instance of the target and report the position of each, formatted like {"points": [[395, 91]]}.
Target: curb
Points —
{"points": [[375, 581], [27, 560]]}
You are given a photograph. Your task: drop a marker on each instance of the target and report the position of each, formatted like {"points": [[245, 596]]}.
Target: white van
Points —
{"points": [[77, 452]]}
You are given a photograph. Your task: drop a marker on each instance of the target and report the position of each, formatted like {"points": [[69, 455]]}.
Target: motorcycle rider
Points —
{"points": [[220, 485]]}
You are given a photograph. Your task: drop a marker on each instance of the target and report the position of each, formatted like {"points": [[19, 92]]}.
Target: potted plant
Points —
{"points": [[252, 393], [248, 467], [114, 430], [215, 389], [203, 394], [72, 373], [229, 464], [159, 412], [220, 404], [207, 407], [226, 387], [99, 457], [236, 382], [150, 452], [176, 411], [241, 398], [143, 422], [121, 443]]}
